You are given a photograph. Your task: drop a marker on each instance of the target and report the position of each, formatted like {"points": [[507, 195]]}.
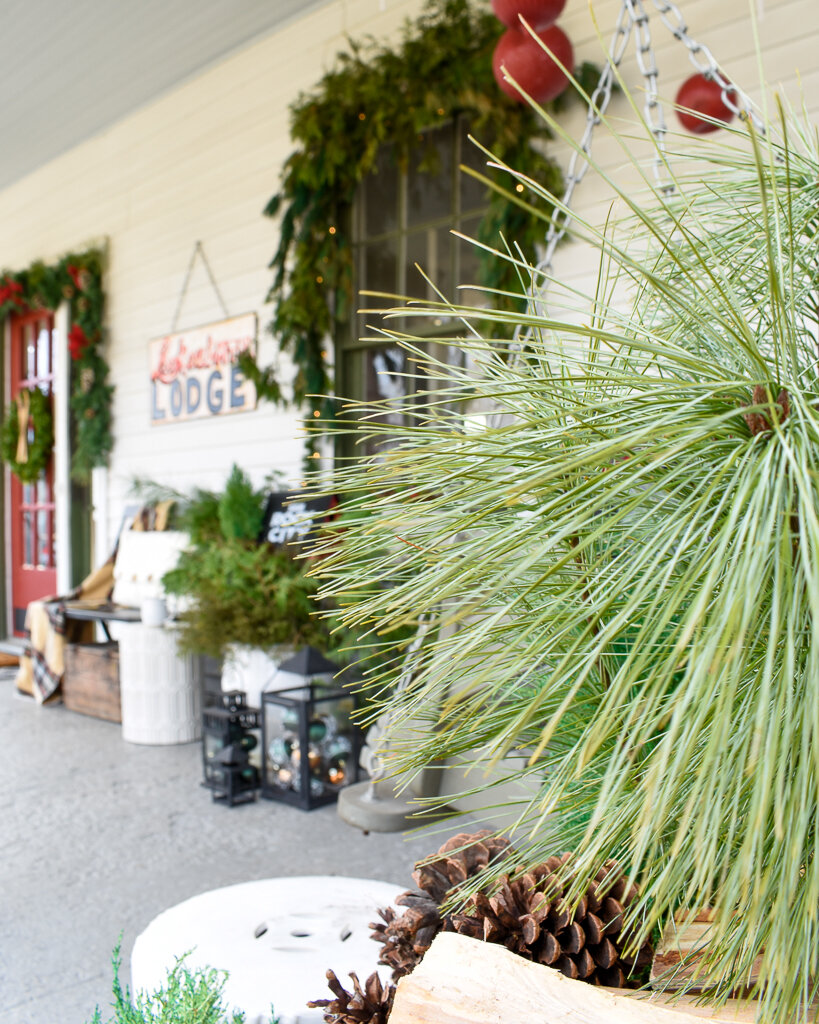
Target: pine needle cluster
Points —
{"points": [[622, 564]]}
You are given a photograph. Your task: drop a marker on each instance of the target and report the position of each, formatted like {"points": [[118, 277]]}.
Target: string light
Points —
{"points": [[362, 116], [518, 187], [319, 279], [332, 230], [316, 413]]}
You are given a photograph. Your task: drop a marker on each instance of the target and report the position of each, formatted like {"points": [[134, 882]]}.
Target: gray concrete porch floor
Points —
{"points": [[98, 836]]}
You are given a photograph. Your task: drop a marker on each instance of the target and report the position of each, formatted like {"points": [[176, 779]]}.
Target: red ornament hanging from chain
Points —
{"points": [[531, 66], [537, 13], [702, 95]]}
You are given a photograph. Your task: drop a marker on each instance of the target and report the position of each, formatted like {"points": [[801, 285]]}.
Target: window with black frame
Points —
{"points": [[403, 219]]}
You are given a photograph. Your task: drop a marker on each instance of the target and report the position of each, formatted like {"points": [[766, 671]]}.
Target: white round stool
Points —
{"points": [[304, 926]]}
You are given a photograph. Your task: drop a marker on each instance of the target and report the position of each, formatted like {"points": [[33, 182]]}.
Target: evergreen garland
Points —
{"points": [[374, 96], [76, 278]]}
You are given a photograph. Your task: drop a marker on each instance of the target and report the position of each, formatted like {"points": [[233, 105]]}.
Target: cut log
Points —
{"points": [[679, 953], [465, 981]]}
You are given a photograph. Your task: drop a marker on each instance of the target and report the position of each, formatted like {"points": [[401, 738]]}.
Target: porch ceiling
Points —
{"points": [[68, 70]]}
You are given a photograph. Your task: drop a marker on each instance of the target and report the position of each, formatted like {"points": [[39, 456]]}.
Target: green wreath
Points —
{"points": [[39, 446]]}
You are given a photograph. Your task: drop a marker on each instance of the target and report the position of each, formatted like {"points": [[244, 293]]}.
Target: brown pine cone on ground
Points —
{"points": [[406, 937], [529, 915], [370, 1005]]}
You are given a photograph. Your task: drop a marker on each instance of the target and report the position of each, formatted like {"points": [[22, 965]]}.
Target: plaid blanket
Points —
{"points": [[43, 664]]}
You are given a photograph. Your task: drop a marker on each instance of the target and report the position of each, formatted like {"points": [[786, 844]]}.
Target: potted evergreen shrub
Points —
{"points": [[244, 601]]}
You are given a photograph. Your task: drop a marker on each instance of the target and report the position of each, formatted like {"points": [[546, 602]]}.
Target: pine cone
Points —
{"points": [[395, 932], [758, 422], [530, 916], [406, 937], [370, 1005]]}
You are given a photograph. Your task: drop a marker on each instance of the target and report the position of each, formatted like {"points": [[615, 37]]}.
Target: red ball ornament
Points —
{"points": [[704, 96], [530, 65], [537, 13]]}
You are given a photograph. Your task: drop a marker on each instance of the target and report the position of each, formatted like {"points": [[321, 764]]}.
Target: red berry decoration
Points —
{"points": [[537, 13], [531, 66], [704, 96]]}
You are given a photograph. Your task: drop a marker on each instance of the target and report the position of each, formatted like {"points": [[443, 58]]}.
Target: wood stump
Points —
{"points": [[465, 981]]}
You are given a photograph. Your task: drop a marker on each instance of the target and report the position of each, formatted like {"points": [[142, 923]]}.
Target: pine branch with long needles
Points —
{"points": [[623, 565]]}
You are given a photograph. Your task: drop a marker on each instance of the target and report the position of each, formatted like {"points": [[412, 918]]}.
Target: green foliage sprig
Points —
{"points": [[76, 278], [40, 444], [187, 997], [378, 95]]}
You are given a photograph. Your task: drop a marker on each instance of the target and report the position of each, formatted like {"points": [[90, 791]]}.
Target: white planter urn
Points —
{"points": [[254, 670]]}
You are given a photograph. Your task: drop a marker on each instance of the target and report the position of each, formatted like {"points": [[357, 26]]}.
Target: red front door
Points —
{"points": [[33, 557]]}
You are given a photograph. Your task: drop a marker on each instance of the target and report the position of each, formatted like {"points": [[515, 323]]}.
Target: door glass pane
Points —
{"points": [[30, 357], [43, 351], [28, 538], [43, 538], [29, 494]]}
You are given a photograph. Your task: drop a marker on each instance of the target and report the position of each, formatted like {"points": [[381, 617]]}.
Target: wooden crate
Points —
{"points": [[91, 680]]}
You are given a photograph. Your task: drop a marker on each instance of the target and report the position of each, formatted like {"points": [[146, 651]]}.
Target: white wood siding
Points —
{"points": [[201, 162]]}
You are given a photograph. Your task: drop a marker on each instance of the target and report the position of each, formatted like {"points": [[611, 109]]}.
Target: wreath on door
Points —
{"points": [[27, 434]]}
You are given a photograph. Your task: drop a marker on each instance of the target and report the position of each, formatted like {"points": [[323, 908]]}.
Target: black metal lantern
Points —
{"points": [[227, 739], [310, 744]]}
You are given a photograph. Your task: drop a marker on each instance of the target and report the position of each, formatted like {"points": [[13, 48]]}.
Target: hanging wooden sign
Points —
{"points": [[194, 373]]}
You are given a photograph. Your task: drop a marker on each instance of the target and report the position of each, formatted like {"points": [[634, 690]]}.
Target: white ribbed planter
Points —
{"points": [[159, 688]]}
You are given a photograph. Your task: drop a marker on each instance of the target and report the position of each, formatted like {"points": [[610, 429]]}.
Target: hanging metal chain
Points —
{"points": [[703, 60], [580, 160], [634, 19]]}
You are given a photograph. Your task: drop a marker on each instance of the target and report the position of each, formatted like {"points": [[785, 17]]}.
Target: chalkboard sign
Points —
{"points": [[290, 518]]}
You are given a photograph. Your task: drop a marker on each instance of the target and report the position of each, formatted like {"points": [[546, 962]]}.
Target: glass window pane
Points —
{"points": [[28, 538], [380, 274], [380, 268], [43, 490], [43, 351], [29, 494], [429, 181], [384, 377], [467, 263], [431, 250], [380, 196], [418, 252], [473, 193]]}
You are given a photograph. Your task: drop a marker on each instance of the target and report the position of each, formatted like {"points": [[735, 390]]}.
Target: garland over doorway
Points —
{"points": [[378, 96], [76, 279]]}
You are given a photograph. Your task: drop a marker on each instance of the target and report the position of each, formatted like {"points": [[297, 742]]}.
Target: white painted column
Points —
{"points": [[62, 450], [8, 626]]}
